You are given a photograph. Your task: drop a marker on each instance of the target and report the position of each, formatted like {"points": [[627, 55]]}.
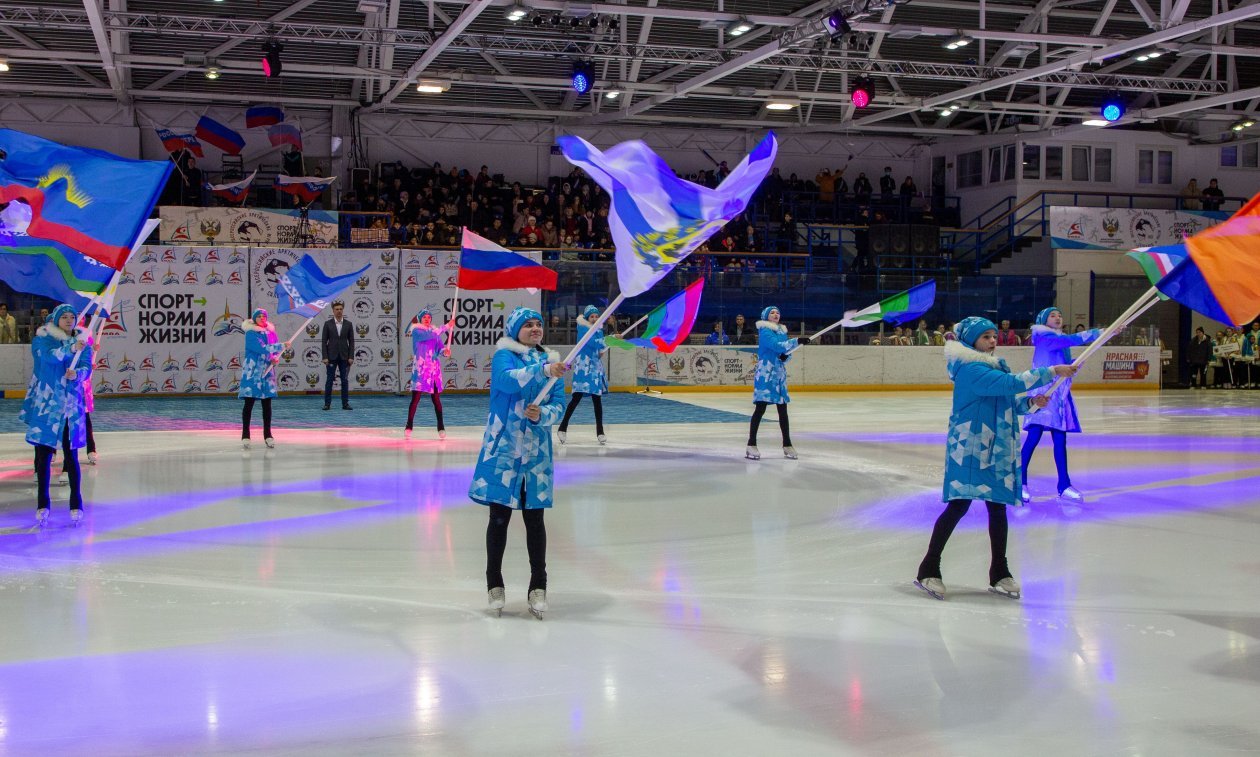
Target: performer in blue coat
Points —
{"points": [[980, 458], [770, 380], [589, 376], [1052, 347], [53, 410], [514, 467], [258, 374], [428, 345]]}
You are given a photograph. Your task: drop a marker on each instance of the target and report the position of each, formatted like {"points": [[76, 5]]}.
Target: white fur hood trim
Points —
{"points": [[1040, 329], [55, 332], [957, 352], [249, 325], [507, 343], [779, 327]]}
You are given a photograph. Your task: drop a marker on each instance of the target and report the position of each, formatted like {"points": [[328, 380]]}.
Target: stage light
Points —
{"points": [[1094, 122], [516, 13], [1243, 123], [837, 24], [4, 65], [432, 86], [739, 28], [271, 63], [862, 92], [955, 42], [583, 77], [537, 21], [212, 73], [1113, 108], [612, 94], [781, 105]]}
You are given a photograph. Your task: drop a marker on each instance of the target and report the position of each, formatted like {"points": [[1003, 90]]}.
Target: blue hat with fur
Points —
{"points": [[59, 311], [765, 314], [1044, 315], [590, 311], [423, 312], [969, 329], [512, 326], [254, 315]]}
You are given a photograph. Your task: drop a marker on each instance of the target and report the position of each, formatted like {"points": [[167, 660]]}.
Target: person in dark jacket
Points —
{"points": [[337, 345], [1198, 355]]}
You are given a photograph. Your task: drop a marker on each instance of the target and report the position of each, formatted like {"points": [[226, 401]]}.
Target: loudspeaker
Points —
{"points": [[881, 239], [925, 239], [900, 239]]}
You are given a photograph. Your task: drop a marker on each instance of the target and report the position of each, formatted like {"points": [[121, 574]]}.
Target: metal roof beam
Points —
{"points": [[97, 22], [441, 43]]}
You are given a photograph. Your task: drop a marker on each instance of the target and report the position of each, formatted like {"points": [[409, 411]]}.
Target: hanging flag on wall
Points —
{"points": [[219, 135], [263, 115]]}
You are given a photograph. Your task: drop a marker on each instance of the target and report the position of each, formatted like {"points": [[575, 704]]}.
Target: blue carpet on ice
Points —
{"points": [[370, 411]]}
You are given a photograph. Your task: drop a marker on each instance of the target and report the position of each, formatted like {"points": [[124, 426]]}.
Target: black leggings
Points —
{"points": [[91, 440], [437, 409], [1198, 374], [756, 421], [1060, 453], [535, 544], [249, 410], [954, 511], [573, 403], [43, 471]]}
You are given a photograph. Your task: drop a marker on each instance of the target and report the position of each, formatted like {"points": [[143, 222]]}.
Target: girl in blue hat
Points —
{"points": [[1052, 347], [514, 467], [589, 376], [980, 460], [53, 409], [770, 380], [428, 345], [258, 375]]}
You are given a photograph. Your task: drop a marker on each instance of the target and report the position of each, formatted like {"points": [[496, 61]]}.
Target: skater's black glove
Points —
{"points": [[803, 341], [784, 357]]}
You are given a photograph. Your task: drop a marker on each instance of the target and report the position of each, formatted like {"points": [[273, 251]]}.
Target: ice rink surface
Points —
{"points": [[327, 597]]}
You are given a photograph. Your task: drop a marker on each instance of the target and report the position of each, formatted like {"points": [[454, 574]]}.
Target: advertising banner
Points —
{"points": [[176, 325], [429, 281], [1124, 229], [251, 226], [703, 366], [1118, 365]]}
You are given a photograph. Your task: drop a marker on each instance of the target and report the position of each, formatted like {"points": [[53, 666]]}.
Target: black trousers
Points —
{"points": [[91, 440], [437, 409], [43, 472], [954, 511], [573, 403], [756, 422], [334, 367], [249, 411], [535, 544]]}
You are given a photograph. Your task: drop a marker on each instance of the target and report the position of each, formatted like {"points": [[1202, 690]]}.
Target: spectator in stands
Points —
{"points": [[8, 325], [550, 234], [1079, 328], [1007, 336], [1198, 355], [1213, 197], [397, 232], [842, 186], [921, 336], [887, 184], [1190, 195], [938, 336], [862, 188], [826, 186], [908, 190], [194, 180], [718, 335]]}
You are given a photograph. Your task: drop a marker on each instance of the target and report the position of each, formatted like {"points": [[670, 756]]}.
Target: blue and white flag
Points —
{"points": [[656, 218], [305, 289]]}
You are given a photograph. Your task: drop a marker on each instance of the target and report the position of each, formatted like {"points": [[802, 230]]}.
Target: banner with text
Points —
{"points": [[264, 226], [702, 366], [1124, 229]]}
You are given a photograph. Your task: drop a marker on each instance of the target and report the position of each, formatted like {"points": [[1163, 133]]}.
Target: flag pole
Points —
{"points": [[1143, 303], [595, 327], [296, 334], [622, 335]]}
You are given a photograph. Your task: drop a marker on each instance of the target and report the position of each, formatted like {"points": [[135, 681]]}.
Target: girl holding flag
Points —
{"points": [[589, 376], [770, 380], [1052, 347], [53, 408], [258, 377], [426, 376], [514, 467]]}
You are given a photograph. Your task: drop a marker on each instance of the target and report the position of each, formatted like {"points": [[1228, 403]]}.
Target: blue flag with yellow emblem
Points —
{"points": [[88, 200], [656, 218]]}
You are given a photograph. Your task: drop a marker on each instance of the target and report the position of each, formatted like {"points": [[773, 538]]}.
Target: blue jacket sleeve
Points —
{"points": [[1063, 341], [987, 381], [506, 377]]}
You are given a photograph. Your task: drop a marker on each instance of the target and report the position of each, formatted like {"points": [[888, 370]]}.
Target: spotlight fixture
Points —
{"points": [[575, 22], [4, 65], [432, 86], [1242, 123], [271, 63], [537, 21], [1094, 122], [1112, 108], [957, 41], [781, 104], [612, 94], [739, 28], [555, 20], [212, 73], [583, 77], [516, 13], [592, 21], [1149, 55], [862, 93], [614, 24], [837, 24], [946, 113]]}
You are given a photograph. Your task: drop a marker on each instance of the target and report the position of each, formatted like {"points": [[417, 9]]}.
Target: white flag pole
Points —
{"points": [[622, 335], [596, 326], [1143, 303]]}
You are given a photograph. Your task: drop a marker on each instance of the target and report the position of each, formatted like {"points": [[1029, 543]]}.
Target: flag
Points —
{"points": [[305, 289], [88, 200], [285, 134], [668, 325], [177, 142], [1158, 262], [222, 137], [901, 307], [656, 218], [485, 265], [1220, 275], [262, 115], [308, 188], [234, 192]]}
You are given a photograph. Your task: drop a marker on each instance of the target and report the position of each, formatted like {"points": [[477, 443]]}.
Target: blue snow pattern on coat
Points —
{"points": [[261, 350], [982, 450], [1052, 347], [515, 450], [426, 371], [589, 375], [52, 401], [770, 379]]}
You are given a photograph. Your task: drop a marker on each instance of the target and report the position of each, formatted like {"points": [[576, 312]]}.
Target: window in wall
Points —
{"points": [[1008, 167], [995, 165], [1163, 165], [1154, 166], [1229, 156], [1080, 163], [970, 169], [1102, 164], [1032, 161], [1054, 163], [1248, 154]]}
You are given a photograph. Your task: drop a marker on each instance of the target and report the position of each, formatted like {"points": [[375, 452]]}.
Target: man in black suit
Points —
{"points": [[337, 345]]}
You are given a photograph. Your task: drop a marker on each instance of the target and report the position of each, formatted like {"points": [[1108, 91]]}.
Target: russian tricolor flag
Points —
{"points": [[485, 265], [285, 134], [263, 115], [176, 142], [306, 187], [234, 192], [222, 137]]}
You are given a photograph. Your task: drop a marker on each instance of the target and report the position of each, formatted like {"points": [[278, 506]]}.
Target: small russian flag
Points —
{"points": [[222, 137], [262, 115], [306, 187], [176, 142], [485, 265], [285, 134], [234, 192]]}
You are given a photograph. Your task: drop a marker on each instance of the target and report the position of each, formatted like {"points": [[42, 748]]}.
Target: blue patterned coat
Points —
{"points": [[262, 349], [589, 376], [427, 346], [52, 401], [770, 380], [1050, 348], [515, 450], [982, 451]]}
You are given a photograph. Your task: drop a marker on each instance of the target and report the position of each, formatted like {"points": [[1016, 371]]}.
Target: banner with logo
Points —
{"points": [[702, 366], [257, 226], [371, 307], [429, 281], [1124, 229], [176, 325]]}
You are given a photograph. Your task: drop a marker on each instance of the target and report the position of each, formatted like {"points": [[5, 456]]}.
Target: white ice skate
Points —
{"points": [[1025, 496], [752, 453], [496, 601], [602, 439], [76, 516], [91, 458], [1007, 587], [563, 436], [537, 602], [63, 479], [441, 434], [271, 443], [245, 443], [790, 453], [1071, 495], [933, 586], [41, 516]]}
